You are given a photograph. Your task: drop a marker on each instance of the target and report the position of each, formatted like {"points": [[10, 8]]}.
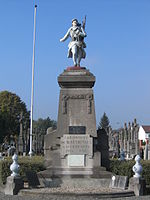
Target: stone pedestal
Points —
{"points": [[76, 103], [138, 185], [69, 149], [13, 185]]}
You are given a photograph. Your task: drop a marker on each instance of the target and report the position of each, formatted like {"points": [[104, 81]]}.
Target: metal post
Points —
{"points": [[32, 90]]}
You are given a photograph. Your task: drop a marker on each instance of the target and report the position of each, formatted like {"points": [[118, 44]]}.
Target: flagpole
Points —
{"points": [[32, 89]]}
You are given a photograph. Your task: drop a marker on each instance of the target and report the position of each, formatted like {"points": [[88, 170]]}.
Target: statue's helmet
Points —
{"points": [[75, 20]]}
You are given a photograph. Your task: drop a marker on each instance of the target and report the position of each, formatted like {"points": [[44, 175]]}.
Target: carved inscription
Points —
{"points": [[77, 129], [76, 145], [87, 97]]}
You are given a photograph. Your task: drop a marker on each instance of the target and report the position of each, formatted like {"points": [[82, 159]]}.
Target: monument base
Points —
{"points": [[72, 151], [78, 183], [138, 185], [13, 185]]}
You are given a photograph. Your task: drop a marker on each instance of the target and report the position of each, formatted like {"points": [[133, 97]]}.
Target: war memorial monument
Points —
{"points": [[76, 154], [71, 149]]}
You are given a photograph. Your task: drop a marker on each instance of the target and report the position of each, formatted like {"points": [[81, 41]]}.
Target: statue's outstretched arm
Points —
{"points": [[66, 36]]}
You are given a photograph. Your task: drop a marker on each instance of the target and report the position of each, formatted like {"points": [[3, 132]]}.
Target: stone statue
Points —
{"points": [[77, 44]]}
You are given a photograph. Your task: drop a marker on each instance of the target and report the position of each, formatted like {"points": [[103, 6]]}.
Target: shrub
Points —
{"points": [[36, 163], [146, 170], [124, 168]]}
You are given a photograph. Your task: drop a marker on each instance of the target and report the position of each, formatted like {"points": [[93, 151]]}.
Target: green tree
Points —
{"points": [[11, 107], [41, 125], [104, 122]]}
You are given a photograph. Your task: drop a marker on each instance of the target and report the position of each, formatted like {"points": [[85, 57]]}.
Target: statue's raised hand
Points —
{"points": [[61, 40]]}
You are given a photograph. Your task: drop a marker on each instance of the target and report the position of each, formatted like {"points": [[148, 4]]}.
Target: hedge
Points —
{"points": [[124, 168], [35, 163]]}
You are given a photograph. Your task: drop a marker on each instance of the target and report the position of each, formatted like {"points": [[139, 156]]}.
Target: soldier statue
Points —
{"points": [[76, 46]]}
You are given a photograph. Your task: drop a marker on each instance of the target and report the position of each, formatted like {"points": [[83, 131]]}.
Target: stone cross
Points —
{"points": [[121, 139], [129, 131], [132, 132], [125, 137], [136, 128], [20, 141]]}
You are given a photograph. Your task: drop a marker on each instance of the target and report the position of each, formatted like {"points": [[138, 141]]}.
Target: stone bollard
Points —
{"points": [[14, 182], [137, 168], [14, 167], [137, 183]]}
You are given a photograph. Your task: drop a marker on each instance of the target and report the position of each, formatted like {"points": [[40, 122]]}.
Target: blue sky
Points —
{"points": [[118, 54]]}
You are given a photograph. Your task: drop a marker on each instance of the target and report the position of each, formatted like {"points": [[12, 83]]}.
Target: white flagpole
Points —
{"points": [[32, 89]]}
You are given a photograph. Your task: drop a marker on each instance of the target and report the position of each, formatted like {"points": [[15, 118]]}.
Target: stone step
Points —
{"points": [[76, 169], [68, 182], [75, 172], [78, 186], [56, 194], [64, 172]]}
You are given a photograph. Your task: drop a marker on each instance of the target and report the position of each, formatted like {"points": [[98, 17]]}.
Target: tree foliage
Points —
{"points": [[11, 107], [41, 125], [104, 122]]}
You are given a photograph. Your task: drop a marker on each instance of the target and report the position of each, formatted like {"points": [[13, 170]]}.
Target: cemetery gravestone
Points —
{"points": [[119, 182]]}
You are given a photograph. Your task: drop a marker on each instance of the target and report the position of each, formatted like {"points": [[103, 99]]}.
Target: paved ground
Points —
{"points": [[64, 197]]}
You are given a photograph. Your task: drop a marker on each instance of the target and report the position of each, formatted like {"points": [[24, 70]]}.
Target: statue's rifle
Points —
{"points": [[83, 26], [83, 23]]}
